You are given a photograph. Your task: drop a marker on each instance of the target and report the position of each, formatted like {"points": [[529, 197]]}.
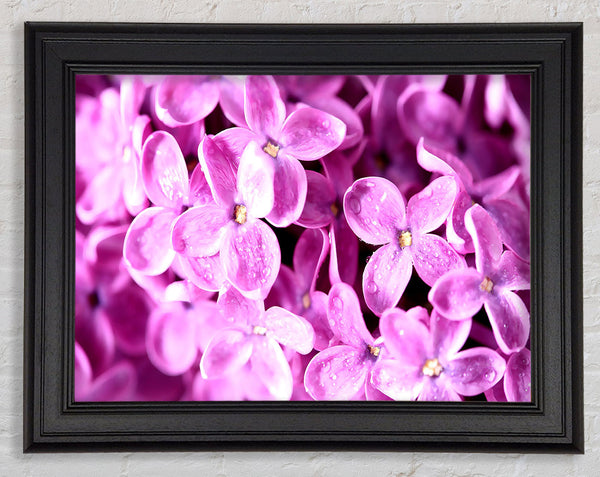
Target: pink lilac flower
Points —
{"points": [[425, 362], [377, 213], [341, 372], [516, 384], [459, 294]]}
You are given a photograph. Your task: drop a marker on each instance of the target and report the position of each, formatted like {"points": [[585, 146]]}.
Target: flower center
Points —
{"points": [[306, 300], [334, 208], [239, 214], [271, 149], [374, 350], [486, 285], [432, 367], [405, 239], [259, 330]]}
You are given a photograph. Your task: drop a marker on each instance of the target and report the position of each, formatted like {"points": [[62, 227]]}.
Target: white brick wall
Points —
{"points": [[13, 463]]}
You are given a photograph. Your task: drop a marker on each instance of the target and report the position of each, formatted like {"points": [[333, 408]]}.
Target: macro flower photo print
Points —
{"points": [[302, 238]]}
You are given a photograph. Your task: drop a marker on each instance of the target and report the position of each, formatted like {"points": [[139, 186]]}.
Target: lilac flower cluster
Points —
{"points": [[302, 237]]}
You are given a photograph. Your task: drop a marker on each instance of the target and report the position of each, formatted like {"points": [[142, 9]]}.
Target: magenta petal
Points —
{"points": [[100, 196], [184, 100], [398, 380], [263, 107], [441, 161], [385, 277], [268, 364], [336, 373], [239, 310], [475, 370], [289, 329], [486, 239], [438, 389], [316, 315], [251, 257], [433, 257], [509, 319], [285, 291], [227, 352], [496, 186], [457, 294], [95, 335], [374, 209], [309, 254], [232, 143], [116, 384], [310, 134], [405, 336], [132, 94], [517, 380], [164, 172], [456, 232], [218, 172], [320, 199], [513, 273], [83, 373], [198, 231], [147, 247], [232, 99], [448, 336], [290, 191], [343, 261], [345, 317], [200, 193], [512, 220], [342, 110], [255, 180], [428, 209], [206, 273], [170, 340]]}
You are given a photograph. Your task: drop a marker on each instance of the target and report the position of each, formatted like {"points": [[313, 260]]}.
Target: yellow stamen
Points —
{"points": [[259, 330], [486, 285], [334, 208], [374, 350], [271, 149], [306, 301], [240, 214], [405, 239], [432, 367]]}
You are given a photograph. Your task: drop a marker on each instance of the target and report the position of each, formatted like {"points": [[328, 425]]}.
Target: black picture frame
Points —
{"points": [[550, 53]]}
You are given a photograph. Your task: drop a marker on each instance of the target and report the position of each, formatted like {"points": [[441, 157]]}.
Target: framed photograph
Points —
{"points": [[303, 236]]}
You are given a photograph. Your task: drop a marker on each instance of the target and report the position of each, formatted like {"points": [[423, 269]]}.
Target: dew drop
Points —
{"points": [[354, 205], [372, 287], [338, 306]]}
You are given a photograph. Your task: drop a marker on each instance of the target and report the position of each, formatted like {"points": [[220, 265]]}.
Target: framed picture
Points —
{"points": [[317, 236]]}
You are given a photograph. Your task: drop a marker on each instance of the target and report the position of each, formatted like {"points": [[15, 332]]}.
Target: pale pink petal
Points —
{"points": [[209, 320], [316, 315], [512, 220], [509, 319], [474, 371], [206, 273], [198, 231], [232, 143], [320, 202], [309, 254], [343, 260], [310, 134], [517, 380], [406, 337], [147, 247], [441, 161], [116, 384], [398, 380], [438, 389], [82, 373], [238, 309], [486, 239], [142, 128], [345, 317], [512, 273], [343, 111], [200, 193], [269, 365], [289, 329], [100, 196], [251, 257], [456, 232], [164, 172], [385, 277], [232, 99], [184, 100], [336, 373], [458, 294], [428, 209], [433, 257], [263, 107], [218, 172], [495, 186], [170, 340], [132, 95], [227, 352], [134, 194], [375, 210], [290, 191], [255, 178], [448, 336]]}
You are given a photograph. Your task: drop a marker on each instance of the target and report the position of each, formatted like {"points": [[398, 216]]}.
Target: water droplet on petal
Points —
{"points": [[354, 205], [372, 287]]}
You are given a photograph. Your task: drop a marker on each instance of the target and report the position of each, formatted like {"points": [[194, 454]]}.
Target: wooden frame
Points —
{"points": [[550, 53]]}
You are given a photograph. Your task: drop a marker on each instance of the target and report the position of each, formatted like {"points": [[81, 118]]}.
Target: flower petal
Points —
{"points": [[147, 246], [428, 209], [345, 317], [517, 380], [251, 257], [385, 277], [101, 196], [343, 260], [289, 329], [486, 239], [405, 336], [116, 384], [232, 99], [433, 257], [320, 200], [82, 373], [232, 143], [475, 370], [438, 389], [206, 273], [218, 172], [227, 352], [512, 220], [164, 172], [290, 191], [336, 373], [263, 107], [457, 294], [309, 254], [397, 379], [184, 100], [198, 231], [310, 134], [509, 319], [255, 178], [268, 364], [316, 315], [343, 111], [200, 193], [374, 209], [456, 232], [238, 309], [448, 336], [513, 273]]}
